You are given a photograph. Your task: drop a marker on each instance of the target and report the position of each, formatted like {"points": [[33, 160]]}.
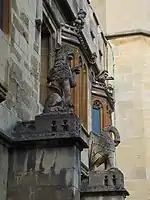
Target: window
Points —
{"points": [[96, 123], [5, 15], [80, 92], [97, 117], [1, 14], [47, 51]]}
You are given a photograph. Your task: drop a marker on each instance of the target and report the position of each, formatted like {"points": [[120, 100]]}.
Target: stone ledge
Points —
{"points": [[48, 141], [105, 191], [92, 193], [42, 133], [128, 33], [104, 183]]}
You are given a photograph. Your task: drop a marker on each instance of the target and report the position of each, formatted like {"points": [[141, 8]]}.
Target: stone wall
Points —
{"points": [[43, 173], [127, 15], [4, 50], [133, 112], [100, 9], [3, 171], [24, 66]]}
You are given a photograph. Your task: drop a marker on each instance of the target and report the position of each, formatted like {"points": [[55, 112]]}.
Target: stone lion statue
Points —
{"points": [[61, 78], [102, 148]]}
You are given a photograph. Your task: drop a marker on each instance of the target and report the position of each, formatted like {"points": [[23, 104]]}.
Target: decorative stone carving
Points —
{"points": [[38, 24], [93, 58], [103, 76], [61, 79], [100, 81], [102, 148], [110, 89], [79, 21]]}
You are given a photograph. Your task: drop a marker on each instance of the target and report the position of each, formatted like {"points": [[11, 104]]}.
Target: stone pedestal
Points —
{"points": [[45, 158], [104, 185]]}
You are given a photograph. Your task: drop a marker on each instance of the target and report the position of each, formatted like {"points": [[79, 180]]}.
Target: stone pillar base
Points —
{"points": [[104, 185], [45, 158]]}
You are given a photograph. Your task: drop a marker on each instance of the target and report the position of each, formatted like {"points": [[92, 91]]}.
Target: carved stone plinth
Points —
{"points": [[45, 158], [104, 185]]}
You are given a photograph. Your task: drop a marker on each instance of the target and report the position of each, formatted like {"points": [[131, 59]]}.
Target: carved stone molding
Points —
{"points": [[101, 87], [68, 34], [79, 21]]}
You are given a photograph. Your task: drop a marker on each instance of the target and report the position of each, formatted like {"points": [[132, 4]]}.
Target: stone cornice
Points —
{"points": [[30, 133], [128, 33]]}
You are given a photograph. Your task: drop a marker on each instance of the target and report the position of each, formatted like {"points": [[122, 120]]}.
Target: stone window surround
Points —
{"points": [[98, 103], [105, 104]]}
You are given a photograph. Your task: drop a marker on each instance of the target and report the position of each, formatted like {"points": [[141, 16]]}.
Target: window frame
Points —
{"points": [[80, 92], [1, 13], [5, 17], [53, 32], [99, 105]]}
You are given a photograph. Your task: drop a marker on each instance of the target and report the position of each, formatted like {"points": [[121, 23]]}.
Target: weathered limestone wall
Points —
{"points": [[146, 105], [4, 51], [100, 10], [127, 15], [44, 173], [3, 171], [24, 67], [133, 112]]}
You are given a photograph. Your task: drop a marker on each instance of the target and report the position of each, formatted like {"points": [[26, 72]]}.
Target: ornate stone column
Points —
{"points": [[45, 158]]}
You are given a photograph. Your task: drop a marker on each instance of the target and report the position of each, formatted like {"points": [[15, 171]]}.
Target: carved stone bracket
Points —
{"points": [[79, 21], [93, 58]]}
